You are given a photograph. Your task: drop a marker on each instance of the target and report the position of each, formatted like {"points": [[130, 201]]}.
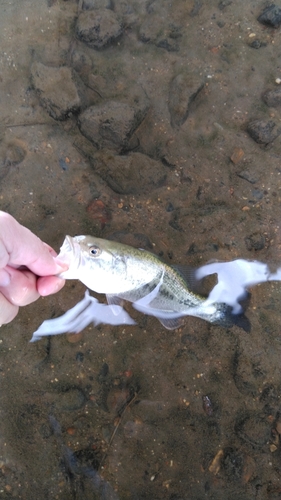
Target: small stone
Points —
{"points": [[248, 175], [271, 16], [272, 98], [184, 89], [73, 338], [273, 448], [79, 357], [263, 132], [258, 194], [170, 207], [71, 431], [237, 155], [257, 44], [255, 241], [98, 28], [224, 3]]}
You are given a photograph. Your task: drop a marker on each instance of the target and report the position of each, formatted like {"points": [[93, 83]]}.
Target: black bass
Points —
{"points": [[126, 273]]}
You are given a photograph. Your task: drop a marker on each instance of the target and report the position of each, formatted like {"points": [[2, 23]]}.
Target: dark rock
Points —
{"points": [[132, 174], [193, 249], [257, 44], [111, 125], [249, 175], [224, 3], [79, 357], [184, 89], [170, 207], [255, 241], [271, 16], [160, 32], [98, 28], [263, 132], [60, 89], [196, 8], [273, 98], [96, 4], [258, 194], [232, 463]]}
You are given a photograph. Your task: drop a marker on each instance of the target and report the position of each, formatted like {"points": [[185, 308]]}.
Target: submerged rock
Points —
{"points": [[160, 32], [271, 16], [96, 4], [60, 89], [272, 98], [97, 28], [131, 174], [110, 125], [184, 88], [255, 241], [263, 132]]}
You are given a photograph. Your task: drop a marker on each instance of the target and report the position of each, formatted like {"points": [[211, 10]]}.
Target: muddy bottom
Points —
{"points": [[157, 124]]}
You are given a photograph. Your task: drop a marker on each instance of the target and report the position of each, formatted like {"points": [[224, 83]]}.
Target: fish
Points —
{"points": [[125, 273]]}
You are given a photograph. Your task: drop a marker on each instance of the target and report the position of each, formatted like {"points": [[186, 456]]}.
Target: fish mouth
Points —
{"points": [[69, 254]]}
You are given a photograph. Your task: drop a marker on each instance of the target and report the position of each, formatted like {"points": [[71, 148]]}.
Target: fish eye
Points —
{"points": [[94, 250]]}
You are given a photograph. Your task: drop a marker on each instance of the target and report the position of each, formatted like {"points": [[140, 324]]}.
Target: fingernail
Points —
{"points": [[5, 278]]}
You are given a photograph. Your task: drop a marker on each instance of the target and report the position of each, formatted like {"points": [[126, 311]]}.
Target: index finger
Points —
{"points": [[19, 246]]}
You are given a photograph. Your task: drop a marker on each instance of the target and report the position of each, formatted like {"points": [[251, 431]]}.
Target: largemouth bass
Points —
{"points": [[135, 275]]}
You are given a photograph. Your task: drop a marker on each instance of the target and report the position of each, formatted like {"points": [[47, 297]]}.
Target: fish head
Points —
{"points": [[93, 261]]}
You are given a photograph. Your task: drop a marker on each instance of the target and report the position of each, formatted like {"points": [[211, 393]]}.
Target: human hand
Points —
{"points": [[27, 268]]}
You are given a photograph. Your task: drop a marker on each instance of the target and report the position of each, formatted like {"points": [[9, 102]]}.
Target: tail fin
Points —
{"points": [[229, 319]]}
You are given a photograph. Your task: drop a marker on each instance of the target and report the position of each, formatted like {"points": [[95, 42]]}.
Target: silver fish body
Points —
{"points": [[126, 273]]}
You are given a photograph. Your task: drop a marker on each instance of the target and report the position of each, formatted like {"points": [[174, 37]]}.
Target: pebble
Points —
{"points": [[272, 98], [263, 132], [237, 155], [170, 207], [79, 357], [248, 175], [255, 241], [184, 89], [73, 338]]}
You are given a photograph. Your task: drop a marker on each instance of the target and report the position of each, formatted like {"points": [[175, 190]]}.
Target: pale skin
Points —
{"points": [[20, 285]]}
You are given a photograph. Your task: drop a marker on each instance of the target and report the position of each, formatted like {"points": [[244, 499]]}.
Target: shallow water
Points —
{"points": [[139, 412]]}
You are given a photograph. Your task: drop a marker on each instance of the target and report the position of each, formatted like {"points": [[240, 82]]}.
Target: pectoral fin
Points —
{"points": [[114, 300], [171, 324]]}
